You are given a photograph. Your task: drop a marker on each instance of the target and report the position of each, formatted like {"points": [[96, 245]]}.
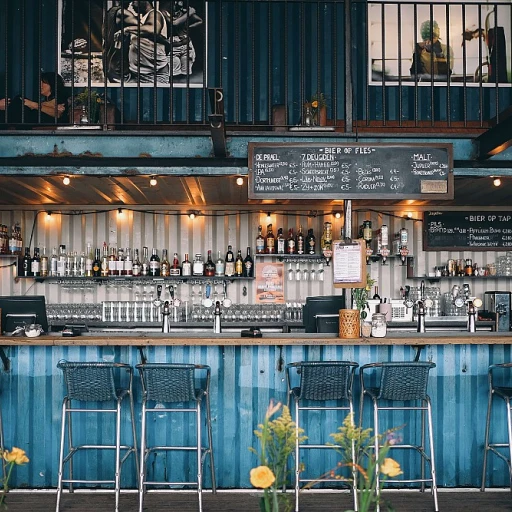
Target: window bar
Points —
{"points": [[187, 76], [236, 66], [416, 83], [270, 75], [72, 74], [285, 39], [449, 69], [124, 72], [480, 74], [204, 114], [155, 62], [104, 66], [56, 63], [334, 73], [23, 59], [383, 36], [39, 66], [139, 90], [497, 74], [170, 35], [464, 68], [367, 75], [89, 63], [253, 63], [432, 76], [302, 64], [319, 60], [6, 59], [400, 81]]}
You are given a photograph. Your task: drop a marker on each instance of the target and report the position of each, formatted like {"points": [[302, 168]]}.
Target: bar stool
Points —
{"points": [[175, 384], [402, 382], [95, 382], [505, 393], [329, 381]]}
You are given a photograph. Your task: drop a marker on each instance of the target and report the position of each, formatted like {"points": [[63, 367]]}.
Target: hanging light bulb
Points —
{"points": [[337, 215], [239, 181], [496, 182], [153, 181], [66, 180], [192, 215]]}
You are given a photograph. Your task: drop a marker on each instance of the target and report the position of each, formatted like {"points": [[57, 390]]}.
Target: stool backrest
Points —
{"points": [[404, 381], [325, 380], [90, 382], [168, 382]]}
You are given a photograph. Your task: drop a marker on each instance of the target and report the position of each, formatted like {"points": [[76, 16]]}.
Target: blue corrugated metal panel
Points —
{"points": [[244, 379]]}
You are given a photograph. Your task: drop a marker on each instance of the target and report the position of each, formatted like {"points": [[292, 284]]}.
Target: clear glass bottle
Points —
{"points": [[260, 242], [280, 242], [209, 268], [88, 261], [270, 241], [220, 265], [53, 263], [229, 270], [300, 242], [128, 263], [165, 266], [198, 265], [136, 265], [154, 264], [120, 262], [186, 266], [44, 264], [144, 268], [61, 262], [104, 260], [112, 262]]}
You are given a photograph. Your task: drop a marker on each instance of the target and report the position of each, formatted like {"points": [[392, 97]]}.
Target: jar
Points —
{"points": [[379, 327], [198, 265]]}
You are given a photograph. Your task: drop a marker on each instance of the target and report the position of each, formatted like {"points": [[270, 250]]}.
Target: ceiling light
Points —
{"points": [[269, 217], [153, 181], [239, 181], [66, 180], [409, 215], [120, 211], [192, 215], [337, 215], [496, 182]]}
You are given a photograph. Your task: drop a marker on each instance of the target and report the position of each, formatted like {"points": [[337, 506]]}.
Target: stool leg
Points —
{"points": [[118, 454], [2, 445], [422, 447], [199, 457], [377, 468], [61, 453], [432, 457], [210, 443], [134, 434], [142, 459], [486, 444], [71, 447], [509, 426], [297, 455]]}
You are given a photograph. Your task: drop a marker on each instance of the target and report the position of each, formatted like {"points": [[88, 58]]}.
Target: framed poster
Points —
{"points": [[425, 43], [132, 42], [270, 283]]}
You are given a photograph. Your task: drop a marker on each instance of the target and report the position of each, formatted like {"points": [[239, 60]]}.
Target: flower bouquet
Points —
{"points": [[16, 456]]}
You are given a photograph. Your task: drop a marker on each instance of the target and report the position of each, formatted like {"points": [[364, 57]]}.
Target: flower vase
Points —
{"points": [[350, 326]]}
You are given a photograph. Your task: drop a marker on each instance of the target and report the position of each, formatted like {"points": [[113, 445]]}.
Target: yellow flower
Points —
{"points": [[314, 104], [16, 455], [262, 477], [390, 468]]}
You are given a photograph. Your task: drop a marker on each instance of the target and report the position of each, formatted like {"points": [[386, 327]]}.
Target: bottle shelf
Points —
{"points": [[434, 279], [293, 257], [139, 279]]}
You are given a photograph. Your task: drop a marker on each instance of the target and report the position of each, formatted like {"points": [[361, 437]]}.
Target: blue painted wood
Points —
{"points": [[244, 379]]}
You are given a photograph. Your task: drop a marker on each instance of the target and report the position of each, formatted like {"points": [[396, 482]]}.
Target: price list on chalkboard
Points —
{"points": [[345, 171], [459, 230]]}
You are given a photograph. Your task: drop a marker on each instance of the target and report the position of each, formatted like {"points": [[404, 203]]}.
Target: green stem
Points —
{"points": [[5, 489]]}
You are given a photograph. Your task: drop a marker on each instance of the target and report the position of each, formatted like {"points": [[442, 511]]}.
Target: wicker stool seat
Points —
{"points": [[323, 386], [98, 383], [502, 373], [175, 388], [399, 385]]}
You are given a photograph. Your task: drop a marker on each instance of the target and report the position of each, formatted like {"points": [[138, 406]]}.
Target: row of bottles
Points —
{"points": [[293, 244], [11, 244], [120, 262]]}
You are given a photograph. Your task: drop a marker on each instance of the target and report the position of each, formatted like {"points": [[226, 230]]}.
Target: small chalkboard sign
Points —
{"points": [[346, 171], [474, 231]]}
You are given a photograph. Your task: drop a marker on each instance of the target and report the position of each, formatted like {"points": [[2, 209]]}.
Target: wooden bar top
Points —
{"points": [[204, 338]]}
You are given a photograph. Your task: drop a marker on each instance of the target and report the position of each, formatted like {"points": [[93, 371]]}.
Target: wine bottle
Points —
{"points": [[260, 242], [96, 264], [248, 264], [26, 264], [35, 264], [154, 264], [310, 242], [209, 268], [61, 263], [239, 264], [230, 262], [270, 241], [165, 266], [120, 262]]}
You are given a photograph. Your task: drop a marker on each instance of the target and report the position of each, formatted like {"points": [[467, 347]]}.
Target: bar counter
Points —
{"points": [[139, 338]]}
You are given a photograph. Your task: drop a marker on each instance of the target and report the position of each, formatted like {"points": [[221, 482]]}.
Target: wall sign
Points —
{"points": [[475, 231], [347, 171]]}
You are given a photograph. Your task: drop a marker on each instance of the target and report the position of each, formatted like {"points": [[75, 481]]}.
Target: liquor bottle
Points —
{"points": [[144, 269], [165, 266], [290, 242], [186, 267], [53, 263], [68, 266], [198, 265], [239, 264], [248, 264], [104, 260], [260, 242], [280, 242], [209, 268], [229, 270], [81, 264], [75, 265], [175, 269], [300, 242], [220, 266], [128, 263], [270, 241], [310, 242], [26, 264], [112, 262], [154, 264], [35, 264], [96, 264], [120, 262], [89, 260], [326, 241], [136, 265], [44, 264], [61, 262]]}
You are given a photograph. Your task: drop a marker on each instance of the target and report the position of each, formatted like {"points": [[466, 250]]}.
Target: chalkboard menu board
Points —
{"points": [[474, 231], [346, 171]]}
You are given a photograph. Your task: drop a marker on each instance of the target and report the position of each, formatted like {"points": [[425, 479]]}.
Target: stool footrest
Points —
{"points": [[88, 481], [147, 482], [409, 481]]}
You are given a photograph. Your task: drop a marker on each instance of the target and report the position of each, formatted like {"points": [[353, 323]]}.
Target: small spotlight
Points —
{"points": [[239, 181], [496, 182], [66, 180], [192, 215], [337, 215], [120, 211], [409, 215], [269, 217], [153, 181], [49, 214]]}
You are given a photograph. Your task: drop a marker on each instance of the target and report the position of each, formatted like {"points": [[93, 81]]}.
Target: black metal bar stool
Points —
{"points": [[505, 393], [175, 384], [95, 382], [404, 383], [329, 381]]}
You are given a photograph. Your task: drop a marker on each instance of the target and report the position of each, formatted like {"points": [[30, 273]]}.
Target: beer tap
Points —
{"points": [[166, 324], [404, 239]]}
